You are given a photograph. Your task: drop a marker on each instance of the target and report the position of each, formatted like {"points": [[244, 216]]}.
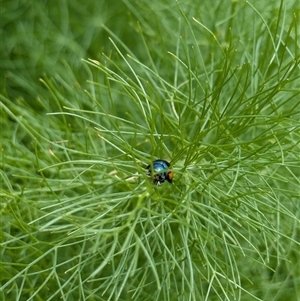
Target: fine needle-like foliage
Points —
{"points": [[92, 93]]}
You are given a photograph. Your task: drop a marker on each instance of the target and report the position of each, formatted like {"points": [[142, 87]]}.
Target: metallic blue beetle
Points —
{"points": [[160, 172]]}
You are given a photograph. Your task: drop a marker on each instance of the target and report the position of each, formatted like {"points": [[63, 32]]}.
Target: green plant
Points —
{"points": [[213, 88]]}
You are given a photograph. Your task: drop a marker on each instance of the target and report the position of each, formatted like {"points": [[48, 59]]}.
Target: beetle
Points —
{"points": [[160, 171]]}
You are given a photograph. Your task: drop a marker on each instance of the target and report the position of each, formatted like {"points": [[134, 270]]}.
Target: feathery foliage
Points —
{"points": [[92, 92]]}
